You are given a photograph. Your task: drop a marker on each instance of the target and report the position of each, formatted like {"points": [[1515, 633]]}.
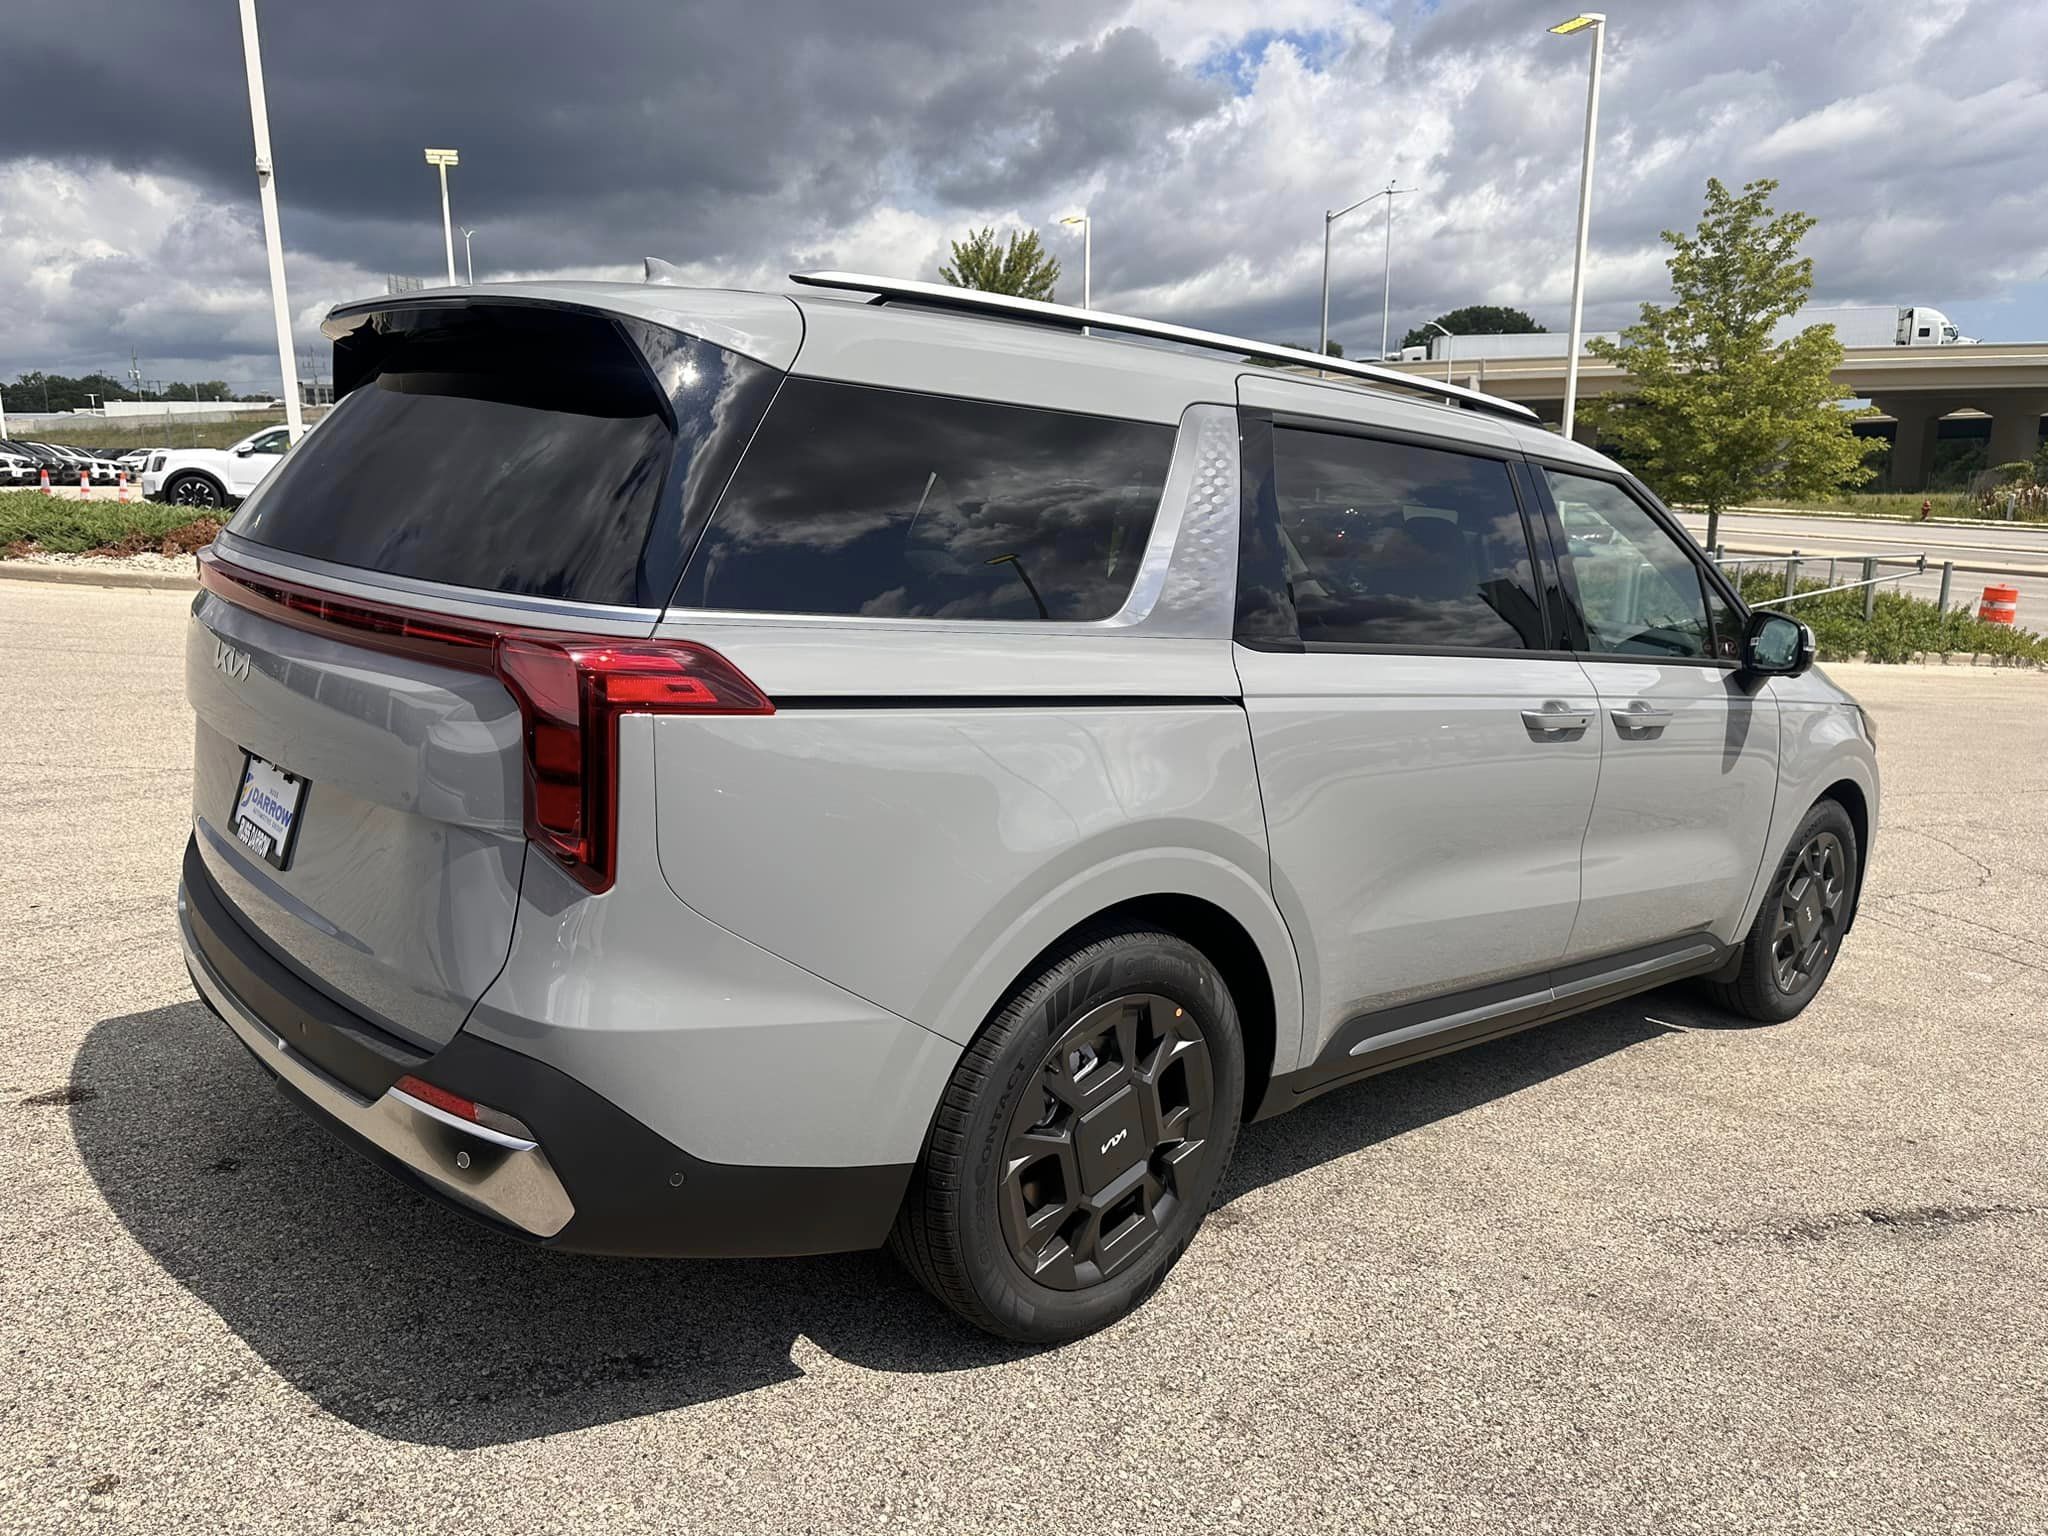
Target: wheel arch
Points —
{"points": [[1222, 940], [1850, 795], [1235, 926]]}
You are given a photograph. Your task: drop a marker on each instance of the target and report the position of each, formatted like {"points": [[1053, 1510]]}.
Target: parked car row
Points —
{"points": [[23, 462]]}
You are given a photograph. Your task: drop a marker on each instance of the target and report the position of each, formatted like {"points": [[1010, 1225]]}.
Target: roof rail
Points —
{"points": [[1067, 317]]}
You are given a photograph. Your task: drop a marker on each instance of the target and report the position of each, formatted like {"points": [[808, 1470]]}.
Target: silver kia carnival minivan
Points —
{"points": [[691, 772]]}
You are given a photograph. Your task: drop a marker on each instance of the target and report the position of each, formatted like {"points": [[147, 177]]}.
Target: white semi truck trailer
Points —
{"points": [[1856, 325]]}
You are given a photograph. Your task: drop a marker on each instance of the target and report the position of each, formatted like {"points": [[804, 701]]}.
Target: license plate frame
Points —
{"points": [[270, 803]]}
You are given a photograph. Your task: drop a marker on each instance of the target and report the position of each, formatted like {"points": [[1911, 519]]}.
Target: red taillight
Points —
{"points": [[462, 1109], [571, 694], [428, 1093], [571, 690]]}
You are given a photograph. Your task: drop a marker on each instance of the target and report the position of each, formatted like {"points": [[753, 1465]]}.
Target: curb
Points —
{"points": [[86, 576], [1988, 659]]}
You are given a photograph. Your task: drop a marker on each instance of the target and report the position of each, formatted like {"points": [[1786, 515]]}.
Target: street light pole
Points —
{"points": [[468, 261], [1389, 192], [1087, 259], [1597, 22], [1087, 256], [445, 158], [273, 241], [1387, 275], [1447, 347]]}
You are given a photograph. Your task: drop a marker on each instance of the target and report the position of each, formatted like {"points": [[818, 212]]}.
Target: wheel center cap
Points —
{"points": [[1808, 919], [1109, 1139]]}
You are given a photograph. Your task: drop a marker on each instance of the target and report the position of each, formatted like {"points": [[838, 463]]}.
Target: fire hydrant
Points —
{"points": [[1926, 507]]}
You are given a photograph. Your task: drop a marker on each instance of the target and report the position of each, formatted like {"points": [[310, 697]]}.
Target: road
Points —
{"points": [[1640, 1271], [2018, 554]]}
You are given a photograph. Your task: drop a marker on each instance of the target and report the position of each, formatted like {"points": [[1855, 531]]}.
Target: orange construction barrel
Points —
{"points": [[2000, 605]]}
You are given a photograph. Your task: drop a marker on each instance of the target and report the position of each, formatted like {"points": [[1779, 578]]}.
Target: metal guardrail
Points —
{"points": [[1873, 576]]}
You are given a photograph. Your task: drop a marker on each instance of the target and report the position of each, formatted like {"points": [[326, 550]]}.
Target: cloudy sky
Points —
{"points": [[744, 140]]}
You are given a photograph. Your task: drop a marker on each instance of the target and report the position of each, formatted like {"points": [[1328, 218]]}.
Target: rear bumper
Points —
{"points": [[592, 1179]]}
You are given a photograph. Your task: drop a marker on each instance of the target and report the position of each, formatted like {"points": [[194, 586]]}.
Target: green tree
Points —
{"points": [[1720, 413], [36, 391], [1477, 320], [1018, 265]]}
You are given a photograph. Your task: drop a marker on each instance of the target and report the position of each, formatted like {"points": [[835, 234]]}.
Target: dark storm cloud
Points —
{"points": [[697, 126], [1206, 137]]}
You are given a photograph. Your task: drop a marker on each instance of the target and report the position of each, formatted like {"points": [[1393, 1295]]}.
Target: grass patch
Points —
{"points": [[32, 523], [1942, 504], [1899, 626]]}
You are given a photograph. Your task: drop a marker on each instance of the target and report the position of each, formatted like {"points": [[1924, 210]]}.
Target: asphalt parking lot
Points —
{"points": [[1638, 1271]]}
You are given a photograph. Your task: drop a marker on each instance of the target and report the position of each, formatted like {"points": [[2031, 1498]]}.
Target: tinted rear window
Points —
{"points": [[515, 448], [886, 503]]}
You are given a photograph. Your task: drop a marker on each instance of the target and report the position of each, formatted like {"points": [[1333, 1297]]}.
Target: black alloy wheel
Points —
{"points": [[1813, 908], [194, 491], [1080, 1141], [1095, 1168], [1792, 945]]}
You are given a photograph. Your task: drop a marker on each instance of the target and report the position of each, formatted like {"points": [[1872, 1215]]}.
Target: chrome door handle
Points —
{"points": [[1639, 719], [1554, 719]]}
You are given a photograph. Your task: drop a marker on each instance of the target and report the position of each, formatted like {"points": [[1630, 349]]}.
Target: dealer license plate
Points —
{"points": [[267, 806]]}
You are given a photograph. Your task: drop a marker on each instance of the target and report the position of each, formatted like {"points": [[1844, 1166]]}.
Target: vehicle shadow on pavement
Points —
{"points": [[1376, 1109], [418, 1325]]}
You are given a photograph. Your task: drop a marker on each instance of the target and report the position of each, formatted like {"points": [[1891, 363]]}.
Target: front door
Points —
{"points": [[1690, 764], [1427, 755]]}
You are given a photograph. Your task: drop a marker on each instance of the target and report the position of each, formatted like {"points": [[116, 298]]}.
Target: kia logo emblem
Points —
{"points": [[230, 661]]}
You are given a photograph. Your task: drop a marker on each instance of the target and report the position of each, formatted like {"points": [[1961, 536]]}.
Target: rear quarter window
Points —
{"points": [[892, 504]]}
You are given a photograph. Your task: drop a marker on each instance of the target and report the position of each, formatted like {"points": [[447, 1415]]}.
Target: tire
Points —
{"points": [[1804, 914], [1080, 1141], [194, 491]]}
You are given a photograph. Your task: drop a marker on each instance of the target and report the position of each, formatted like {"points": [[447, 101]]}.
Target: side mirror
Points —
{"points": [[244, 452], [1775, 645]]}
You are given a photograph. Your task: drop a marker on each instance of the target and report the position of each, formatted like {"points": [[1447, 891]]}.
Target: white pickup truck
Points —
{"points": [[213, 477]]}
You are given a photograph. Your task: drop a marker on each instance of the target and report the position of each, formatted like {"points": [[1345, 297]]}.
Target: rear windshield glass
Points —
{"points": [[886, 503], [517, 449]]}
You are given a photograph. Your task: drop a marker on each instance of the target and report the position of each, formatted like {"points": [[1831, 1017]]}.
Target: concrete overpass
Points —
{"points": [[1914, 386]]}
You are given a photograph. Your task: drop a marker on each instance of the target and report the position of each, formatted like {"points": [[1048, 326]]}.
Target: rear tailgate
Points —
{"points": [[404, 866]]}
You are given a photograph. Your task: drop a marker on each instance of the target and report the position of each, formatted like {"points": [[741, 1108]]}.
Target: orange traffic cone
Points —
{"points": [[84, 483], [46, 484], [122, 480]]}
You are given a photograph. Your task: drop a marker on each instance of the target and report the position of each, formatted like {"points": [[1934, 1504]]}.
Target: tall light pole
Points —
{"points": [[1389, 192], [1447, 347], [273, 242], [1087, 255], [445, 158], [468, 261], [1087, 259], [1597, 22]]}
